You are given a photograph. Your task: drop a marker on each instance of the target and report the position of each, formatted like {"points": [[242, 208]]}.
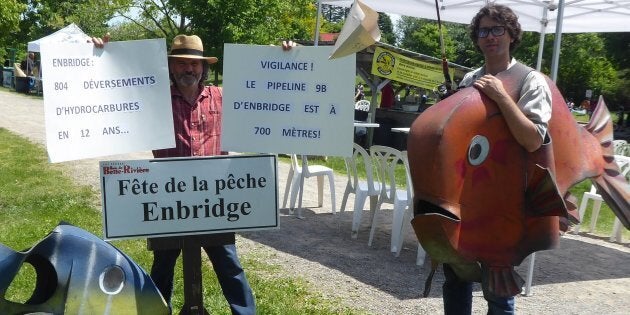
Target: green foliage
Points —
{"points": [[334, 14], [465, 51], [387, 29], [331, 27], [423, 36], [246, 21], [583, 65], [617, 47], [10, 11]]}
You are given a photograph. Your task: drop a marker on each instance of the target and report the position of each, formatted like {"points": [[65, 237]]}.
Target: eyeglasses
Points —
{"points": [[495, 30]]}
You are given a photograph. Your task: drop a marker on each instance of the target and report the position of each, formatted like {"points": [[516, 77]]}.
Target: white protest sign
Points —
{"points": [[184, 196], [106, 101], [293, 101]]}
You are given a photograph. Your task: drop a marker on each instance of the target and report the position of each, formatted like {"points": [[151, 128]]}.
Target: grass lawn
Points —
{"points": [[35, 197]]}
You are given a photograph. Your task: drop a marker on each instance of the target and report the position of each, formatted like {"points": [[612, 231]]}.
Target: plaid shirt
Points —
{"points": [[197, 126]]}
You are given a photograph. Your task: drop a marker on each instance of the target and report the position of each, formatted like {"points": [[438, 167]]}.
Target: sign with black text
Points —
{"points": [[295, 101], [106, 101], [185, 196], [394, 66]]}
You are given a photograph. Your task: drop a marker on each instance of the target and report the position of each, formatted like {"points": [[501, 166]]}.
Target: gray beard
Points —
{"points": [[187, 80]]}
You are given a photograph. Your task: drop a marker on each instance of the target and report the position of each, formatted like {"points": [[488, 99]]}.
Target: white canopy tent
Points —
{"points": [[543, 16], [69, 34], [580, 16]]}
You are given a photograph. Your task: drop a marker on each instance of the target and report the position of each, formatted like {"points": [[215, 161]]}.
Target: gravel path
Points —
{"points": [[585, 275]]}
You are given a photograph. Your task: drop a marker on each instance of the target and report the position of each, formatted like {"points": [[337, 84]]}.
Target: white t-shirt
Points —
{"points": [[534, 100]]}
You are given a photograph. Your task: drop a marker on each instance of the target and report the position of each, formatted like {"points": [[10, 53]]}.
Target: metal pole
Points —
{"points": [[541, 43], [543, 26], [304, 158], [319, 12], [557, 41]]}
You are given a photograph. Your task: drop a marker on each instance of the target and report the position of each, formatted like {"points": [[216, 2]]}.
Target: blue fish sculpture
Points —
{"points": [[78, 273]]}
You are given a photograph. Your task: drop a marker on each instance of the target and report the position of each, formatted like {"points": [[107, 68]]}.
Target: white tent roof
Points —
{"points": [[580, 16], [69, 34]]}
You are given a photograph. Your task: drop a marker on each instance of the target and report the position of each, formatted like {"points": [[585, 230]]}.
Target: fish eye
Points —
{"points": [[112, 280], [478, 150]]}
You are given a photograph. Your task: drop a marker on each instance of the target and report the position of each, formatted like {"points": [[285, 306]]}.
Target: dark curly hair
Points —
{"points": [[504, 16]]}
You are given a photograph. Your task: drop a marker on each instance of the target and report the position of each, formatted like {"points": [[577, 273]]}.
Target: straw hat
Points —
{"points": [[189, 47]]}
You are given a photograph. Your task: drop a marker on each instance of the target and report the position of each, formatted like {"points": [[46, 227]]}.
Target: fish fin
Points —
{"points": [[615, 190], [611, 184], [542, 197], [501, 281], [601, 127]]}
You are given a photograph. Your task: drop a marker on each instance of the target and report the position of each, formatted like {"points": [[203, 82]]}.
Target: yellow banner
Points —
{"points": [[397, 67]]}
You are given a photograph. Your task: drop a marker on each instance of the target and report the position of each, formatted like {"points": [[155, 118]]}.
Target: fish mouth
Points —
{"points": [[426, 207]]}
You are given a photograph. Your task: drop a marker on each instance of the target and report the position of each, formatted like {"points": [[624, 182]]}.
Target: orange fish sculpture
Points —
{"points": [[482, 203]]}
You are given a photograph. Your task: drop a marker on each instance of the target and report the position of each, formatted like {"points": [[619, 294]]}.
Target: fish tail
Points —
{"points": [[601, 127], [612, 185], [501, 281]]}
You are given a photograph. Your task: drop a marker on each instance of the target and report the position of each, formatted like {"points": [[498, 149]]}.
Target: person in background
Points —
{"points": [[586, 105], [28, 64], [197, 115], [387, 96], [358, 93], [496, 32]]}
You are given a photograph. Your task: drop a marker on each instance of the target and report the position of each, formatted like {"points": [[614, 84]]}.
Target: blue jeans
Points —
{"points": [[457, 297], [226, 265]]}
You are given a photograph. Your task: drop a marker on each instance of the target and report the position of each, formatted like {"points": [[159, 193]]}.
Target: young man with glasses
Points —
{"points": [[496, 32]]}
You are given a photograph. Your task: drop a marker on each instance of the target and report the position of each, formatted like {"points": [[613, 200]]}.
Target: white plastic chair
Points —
{"points": [[387, 159], [361, 189], [624, 165], [597, 204], [621, 147], [408, 214], [294, 178], [363, 105]]}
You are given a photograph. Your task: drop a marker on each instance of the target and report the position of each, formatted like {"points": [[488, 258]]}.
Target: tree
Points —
{"points": [[10, 11], [466, 53], [152, 19], [38, 18], [584, 65], [617, 47], [422, 36], [333, 13], [247, 21], [387, 29]]}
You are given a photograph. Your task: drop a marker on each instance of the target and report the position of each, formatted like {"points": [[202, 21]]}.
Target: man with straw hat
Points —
{"points": [[197, 113]]}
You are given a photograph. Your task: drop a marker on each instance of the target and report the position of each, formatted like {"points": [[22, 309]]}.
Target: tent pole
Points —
{"points": [[541, 43], [543, 26], [317, 22], [556, 42]]}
